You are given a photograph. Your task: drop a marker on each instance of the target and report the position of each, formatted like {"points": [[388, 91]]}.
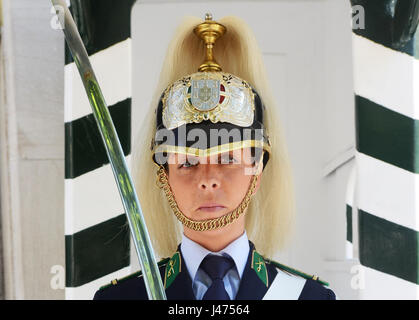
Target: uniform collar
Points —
{"points": [[253, 285], [193, 253]]}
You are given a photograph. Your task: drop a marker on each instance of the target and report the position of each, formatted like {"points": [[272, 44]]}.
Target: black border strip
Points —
{"points": [[388, 247], [84, 148], [97, 251], [386, 135], [348, 223]]}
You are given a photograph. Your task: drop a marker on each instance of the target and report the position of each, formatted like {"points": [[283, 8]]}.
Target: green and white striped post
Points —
{"points": [[386, 211], [97, 229]]}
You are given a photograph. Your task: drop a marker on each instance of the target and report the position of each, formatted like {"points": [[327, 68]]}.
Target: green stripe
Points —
{"points": [[84, 148], [387, 135], [388, 247], [349, 223], [97, 251], [388, 26], [101, 23]]}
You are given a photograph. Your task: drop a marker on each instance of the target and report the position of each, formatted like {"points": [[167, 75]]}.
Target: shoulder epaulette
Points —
{"points": [[132, 275], [297, 272]]}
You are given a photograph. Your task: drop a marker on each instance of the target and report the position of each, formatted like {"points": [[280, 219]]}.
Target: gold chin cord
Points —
{"points": [[204, 225]]}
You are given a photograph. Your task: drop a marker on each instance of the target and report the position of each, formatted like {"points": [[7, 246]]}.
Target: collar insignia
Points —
{"points": [[258, 264], [173, 268]]}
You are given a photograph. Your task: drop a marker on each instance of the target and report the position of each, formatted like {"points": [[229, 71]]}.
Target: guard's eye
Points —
{"points": [[227, 158], [189, 163], [222, 159]]}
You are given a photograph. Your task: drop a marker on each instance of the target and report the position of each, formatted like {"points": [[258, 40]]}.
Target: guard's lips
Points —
{"points": [[210, 206]]}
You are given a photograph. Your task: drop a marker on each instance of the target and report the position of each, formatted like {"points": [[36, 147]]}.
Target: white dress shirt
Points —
{"points": [[193, 254]]}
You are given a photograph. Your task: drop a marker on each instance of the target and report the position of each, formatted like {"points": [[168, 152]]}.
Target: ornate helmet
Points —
{"points": [[225, 108], [206, 113]]}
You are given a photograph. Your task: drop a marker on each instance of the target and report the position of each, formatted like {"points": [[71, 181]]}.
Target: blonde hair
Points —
{"points": [[269, 218]]}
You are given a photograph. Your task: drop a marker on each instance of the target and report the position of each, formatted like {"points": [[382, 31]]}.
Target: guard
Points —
{"points": [[198, 172]]}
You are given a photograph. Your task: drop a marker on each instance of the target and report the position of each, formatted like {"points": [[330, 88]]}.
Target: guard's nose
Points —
{"points": [[209, 178]]}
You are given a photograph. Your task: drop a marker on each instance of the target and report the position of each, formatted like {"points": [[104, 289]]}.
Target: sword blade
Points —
{"points": [[139, 232]]}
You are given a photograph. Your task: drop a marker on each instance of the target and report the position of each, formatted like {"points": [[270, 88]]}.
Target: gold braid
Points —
{"points": [[204, 225]]}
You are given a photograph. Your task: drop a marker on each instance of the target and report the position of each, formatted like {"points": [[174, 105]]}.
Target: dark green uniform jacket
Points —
{"points": [[258, 276]]}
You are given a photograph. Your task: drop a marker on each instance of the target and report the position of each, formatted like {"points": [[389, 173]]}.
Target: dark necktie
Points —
{"points": [[216, 267]]}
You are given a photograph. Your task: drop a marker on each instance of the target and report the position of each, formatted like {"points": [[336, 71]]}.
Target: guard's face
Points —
{"points": [[209, 187]]}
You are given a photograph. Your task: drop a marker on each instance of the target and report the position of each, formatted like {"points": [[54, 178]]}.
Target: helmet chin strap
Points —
{"points": [[209, 224]]}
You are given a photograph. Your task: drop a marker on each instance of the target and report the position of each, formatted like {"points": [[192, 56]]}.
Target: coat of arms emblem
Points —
{"points": [[205, 94]]}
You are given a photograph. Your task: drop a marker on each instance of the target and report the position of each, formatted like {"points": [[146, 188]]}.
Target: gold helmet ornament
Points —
{"points": [[227, 112]]}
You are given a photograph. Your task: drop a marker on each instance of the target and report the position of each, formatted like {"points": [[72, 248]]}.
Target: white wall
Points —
{"points": [[32, 149]]}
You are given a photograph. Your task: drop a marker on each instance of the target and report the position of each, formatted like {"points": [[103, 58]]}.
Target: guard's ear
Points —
{"points": [[259, 179], [259, 165], [258, 172]]}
